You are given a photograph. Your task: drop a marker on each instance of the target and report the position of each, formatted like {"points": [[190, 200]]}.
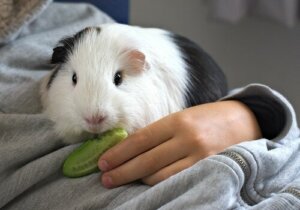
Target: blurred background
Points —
{"points": [[253, 41]]}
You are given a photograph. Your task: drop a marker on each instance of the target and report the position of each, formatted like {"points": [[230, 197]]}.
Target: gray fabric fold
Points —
{"points": [[14, 15]]}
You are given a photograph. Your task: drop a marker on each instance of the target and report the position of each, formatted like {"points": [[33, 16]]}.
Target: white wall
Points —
{"points": [[255, 50]]}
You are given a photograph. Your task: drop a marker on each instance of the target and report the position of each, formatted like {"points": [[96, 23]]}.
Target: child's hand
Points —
{"points": [[176, 142]]}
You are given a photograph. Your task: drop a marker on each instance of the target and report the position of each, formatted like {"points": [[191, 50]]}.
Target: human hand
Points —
{"points": [[176, 142]]}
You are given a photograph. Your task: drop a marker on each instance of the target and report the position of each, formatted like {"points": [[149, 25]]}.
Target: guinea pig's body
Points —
{"points": [[125, 76]]}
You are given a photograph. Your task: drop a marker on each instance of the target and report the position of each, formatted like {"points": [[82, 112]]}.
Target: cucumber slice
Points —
{"points": [[84, 160]]}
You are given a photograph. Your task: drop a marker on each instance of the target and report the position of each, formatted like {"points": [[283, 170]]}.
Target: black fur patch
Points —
{"points": [[65, 48], [52, 76], [207, 82]]}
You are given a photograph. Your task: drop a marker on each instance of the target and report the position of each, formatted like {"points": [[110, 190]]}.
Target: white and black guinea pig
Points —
{"points": [[116, 75]]}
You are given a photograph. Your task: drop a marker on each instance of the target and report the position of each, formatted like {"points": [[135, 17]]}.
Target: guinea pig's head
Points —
{"points": [[96, 84]]}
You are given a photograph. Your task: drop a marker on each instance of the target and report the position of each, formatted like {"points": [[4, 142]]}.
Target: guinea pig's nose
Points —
{"points": [[95, 119]]}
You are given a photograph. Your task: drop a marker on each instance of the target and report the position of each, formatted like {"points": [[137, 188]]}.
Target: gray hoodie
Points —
{"points": [[261, 174]]}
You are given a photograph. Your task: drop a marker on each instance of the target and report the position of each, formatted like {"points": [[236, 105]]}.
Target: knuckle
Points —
{"points": [[198, 138], [139, 141], [147, 134], [139, 138], [151, 161], [182, 120]]}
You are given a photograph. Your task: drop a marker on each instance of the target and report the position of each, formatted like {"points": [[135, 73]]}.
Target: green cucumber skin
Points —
{"points": [[84, 160]]}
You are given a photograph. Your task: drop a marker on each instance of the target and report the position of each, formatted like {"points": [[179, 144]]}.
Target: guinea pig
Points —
{"points": [[116, 75]]}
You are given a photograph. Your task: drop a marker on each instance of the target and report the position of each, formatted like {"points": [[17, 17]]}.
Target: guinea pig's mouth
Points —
{"points": [[94, 135], [93, 128], [95, 131], [89, 135]]}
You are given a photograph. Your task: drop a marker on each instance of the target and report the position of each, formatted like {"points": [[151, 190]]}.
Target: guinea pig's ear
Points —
{"points": [[135, 61], [59, 55], [64, 48]]}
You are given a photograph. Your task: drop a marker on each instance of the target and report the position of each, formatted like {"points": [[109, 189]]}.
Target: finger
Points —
{"points": [[137, 143], [168, 171], [145, 164]]}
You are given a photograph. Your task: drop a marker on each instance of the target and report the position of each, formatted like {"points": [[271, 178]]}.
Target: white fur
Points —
{"points": [[142, 98]]}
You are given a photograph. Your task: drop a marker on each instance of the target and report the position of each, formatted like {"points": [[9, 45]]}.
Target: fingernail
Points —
{"points": [[103, 165], [107, 181]]}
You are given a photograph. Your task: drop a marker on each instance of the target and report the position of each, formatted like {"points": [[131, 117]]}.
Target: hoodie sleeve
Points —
{"points": [[275, 115]]}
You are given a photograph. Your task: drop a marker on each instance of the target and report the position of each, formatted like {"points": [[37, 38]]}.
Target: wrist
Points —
{"points": [[242, 121]]}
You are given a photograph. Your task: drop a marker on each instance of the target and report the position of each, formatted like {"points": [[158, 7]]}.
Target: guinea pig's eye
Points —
{"points": [[118, 78], [74, 78]]}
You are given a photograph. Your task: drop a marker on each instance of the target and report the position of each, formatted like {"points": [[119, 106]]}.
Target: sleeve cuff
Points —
{"points": [[275, 115]]}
